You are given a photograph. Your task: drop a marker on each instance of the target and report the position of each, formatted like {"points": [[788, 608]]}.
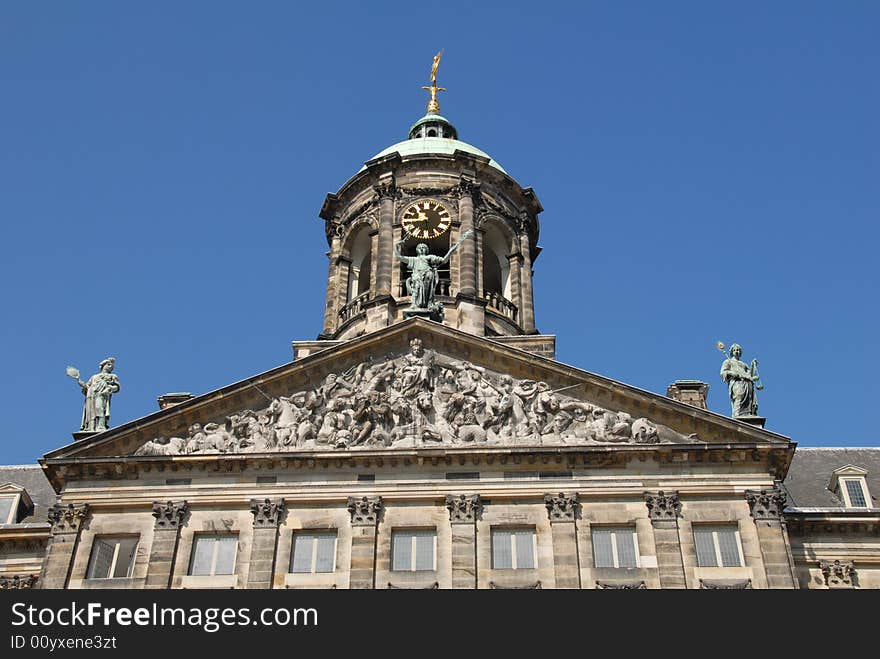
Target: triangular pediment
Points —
{"points": [[414, 385]]}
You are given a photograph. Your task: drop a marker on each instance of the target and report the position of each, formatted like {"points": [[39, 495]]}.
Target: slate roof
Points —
{"points": [[811, 469], [32, 479]]}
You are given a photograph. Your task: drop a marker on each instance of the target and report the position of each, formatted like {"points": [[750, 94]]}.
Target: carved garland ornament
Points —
{"points": [[766, 504], [560, 507], [364, 510], [662, 506], [18, 582], [267, 513], [414, 400], [838, 574]]}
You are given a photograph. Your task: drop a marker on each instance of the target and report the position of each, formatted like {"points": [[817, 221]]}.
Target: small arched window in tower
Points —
{"points": [[496, 267], [432, 133], [361, 264]]}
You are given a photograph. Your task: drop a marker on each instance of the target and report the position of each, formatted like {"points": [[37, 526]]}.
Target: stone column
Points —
{"points": [[467, 270], [562, 510], [515, 261], [330, 309], [365, 513], [343, 268], [384, 256], [166, 533], [267, 514], [464, 511], [766, 507], [527, 309], [66, 521], [664, 511]]}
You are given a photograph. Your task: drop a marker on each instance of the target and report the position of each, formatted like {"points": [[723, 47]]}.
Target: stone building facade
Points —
{"points": [[440, 446]]}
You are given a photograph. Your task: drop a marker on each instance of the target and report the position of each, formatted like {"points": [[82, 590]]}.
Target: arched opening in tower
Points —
{"points": [[361, 265], [436, 246]]}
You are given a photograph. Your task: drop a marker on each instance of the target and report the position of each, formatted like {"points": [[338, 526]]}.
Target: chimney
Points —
{"points": [[692, 392], [170, 400]]}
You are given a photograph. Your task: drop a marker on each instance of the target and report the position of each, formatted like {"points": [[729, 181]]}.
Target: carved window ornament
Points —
{"points": [[170, 514], [561, 507], [621, 585], [838, 574], [19, 582], [766, 504], [850, 485], [726, 584], [662, 506], [69, 518], [365, 510], [266, 512], [464, 508]]}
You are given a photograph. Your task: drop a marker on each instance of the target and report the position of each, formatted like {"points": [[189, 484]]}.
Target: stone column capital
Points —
{"points": [[663, 507], [364, 510], [69, 518], [468, 187], [464, 508], [766, 504], [387, 190], [561, 507], [267, 512], [169, 514]]}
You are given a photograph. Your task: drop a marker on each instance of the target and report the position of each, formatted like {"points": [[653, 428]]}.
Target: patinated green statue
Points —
{"points": [[423, 278], [742, 381], [98, 390]]}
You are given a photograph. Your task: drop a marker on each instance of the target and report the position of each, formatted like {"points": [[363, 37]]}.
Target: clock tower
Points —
{"points": [[435, 190]]}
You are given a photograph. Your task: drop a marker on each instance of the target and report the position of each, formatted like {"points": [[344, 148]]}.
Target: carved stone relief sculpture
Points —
{"points": [[416, 399]]}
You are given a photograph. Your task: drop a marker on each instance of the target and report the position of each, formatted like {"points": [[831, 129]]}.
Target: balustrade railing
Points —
{"points": [[500, 304], [353, 307]]}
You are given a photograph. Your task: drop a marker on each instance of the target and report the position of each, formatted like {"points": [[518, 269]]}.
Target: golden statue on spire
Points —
{"points": [[433, 105]]}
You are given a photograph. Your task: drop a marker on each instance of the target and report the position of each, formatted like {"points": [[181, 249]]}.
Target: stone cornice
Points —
{"points": [[759, 456]]}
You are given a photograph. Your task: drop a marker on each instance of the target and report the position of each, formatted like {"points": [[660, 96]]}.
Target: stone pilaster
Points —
{"points": [[467, 269], [365, 512], [766, 507], [166, 534], [515, 264], [67, 522], [527, 308], [464, 511], [383, 261], [267, 515], [664, 511], [562, 510], [330, 308]]}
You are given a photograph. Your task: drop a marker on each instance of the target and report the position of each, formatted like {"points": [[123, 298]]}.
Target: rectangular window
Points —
{"points": [[112, 558], [513, 549], [7, 506], [856, 493], [413, 550], [615, 546], [717, 546], [213, 555], [313, 552]]}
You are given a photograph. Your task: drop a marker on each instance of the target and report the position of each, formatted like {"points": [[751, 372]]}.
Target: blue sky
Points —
{"points": [[709, 171]]}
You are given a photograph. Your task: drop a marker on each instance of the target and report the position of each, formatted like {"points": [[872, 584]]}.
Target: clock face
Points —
{"points": [[426, 219]]}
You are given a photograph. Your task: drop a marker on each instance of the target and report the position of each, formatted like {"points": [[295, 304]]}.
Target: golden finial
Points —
{"points": [[433, 105]]}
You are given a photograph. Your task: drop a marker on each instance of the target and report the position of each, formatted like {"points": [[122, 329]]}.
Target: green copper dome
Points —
{"points": [[434, 134]]}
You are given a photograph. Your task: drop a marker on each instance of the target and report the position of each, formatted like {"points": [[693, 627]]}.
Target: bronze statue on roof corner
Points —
{"points": [[98, 390], [742, 382]]}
